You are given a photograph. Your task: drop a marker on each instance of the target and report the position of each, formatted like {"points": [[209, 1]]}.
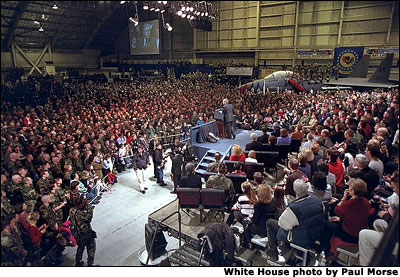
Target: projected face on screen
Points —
{"points": [[145, 38]]}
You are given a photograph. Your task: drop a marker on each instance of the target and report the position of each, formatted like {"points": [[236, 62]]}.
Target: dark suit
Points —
{"points": [[276, 133], [176, 170], [270, 148], [263, 138], [228, 120], [191, 181], [254, 145]]}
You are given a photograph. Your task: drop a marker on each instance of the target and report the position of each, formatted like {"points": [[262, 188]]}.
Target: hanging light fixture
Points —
{"points": [[55, 7], [41, 29]]}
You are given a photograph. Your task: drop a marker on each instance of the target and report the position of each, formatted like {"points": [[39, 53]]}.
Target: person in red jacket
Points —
{"points": [[35, 233], [336, 167], [237, 154], [351, 216]]}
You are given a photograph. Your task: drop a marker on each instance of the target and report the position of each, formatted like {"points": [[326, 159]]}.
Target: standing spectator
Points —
{"points": [[140, 162]]}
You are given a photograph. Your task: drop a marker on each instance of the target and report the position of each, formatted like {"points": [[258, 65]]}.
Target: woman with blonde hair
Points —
{"points": [[252, 157], [310, 160], [35, 233], [237, 154], [244, 207], [264, 209]]}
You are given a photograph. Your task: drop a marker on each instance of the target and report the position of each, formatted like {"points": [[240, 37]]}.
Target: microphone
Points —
{"points": [[213, 136]]}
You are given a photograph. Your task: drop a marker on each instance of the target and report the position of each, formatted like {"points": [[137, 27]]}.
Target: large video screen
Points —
{"points": [[144, 39]]}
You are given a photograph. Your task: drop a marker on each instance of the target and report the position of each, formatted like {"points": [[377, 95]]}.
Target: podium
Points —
{"points": [[219, 117]]}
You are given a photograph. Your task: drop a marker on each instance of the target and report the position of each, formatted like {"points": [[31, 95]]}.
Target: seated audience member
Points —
{"points": [[351, 216], [254, 144], [191, 180], [252, 157], [319, 187], [238, 169], [219, 181], [276, 132], [264, 137], [279, 196], [336, 167], [258, 178], [389, 209], [330, 177], [364, 172], [244, 207], [304, 166], [310, 160], [298, 134], [315, 150], [326, 135], [369, 241], [284, 137], [264, 209], [372, 151], [213, 167], [308, 143], [338, 136], [271, 146], [237, 154], [293, 173], [302, 220]]}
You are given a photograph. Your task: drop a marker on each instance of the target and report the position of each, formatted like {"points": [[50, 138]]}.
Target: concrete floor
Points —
{"points": [[120, 217]]}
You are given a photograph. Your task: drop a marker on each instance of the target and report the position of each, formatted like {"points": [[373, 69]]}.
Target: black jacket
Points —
{"points": [[191, 181], [140, 161], [254, 145], [222, 238], [263, 138], [177, 164], [263, 212]]}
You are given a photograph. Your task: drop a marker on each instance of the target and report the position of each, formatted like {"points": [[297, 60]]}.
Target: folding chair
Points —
{"points": [[189, 198], [213, 199]]}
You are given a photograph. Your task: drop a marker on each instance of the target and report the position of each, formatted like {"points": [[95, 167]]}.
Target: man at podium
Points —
{"points": [[227, 110]]}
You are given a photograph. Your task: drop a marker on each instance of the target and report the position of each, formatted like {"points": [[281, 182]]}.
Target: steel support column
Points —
{"points": [[39, 58], [390, 22], [27, 58], [257, 54], [296, 26], [340, 24]]}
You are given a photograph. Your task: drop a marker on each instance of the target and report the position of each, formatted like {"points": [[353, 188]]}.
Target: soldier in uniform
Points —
{"points": [[219, 181], [81, 216], [43, 182], [6, 207], [12, 247], [29, 194], [49, 217]]}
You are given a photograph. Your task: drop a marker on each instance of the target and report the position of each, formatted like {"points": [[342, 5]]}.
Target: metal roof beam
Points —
{"points": [[17, 15], [106, 16]]}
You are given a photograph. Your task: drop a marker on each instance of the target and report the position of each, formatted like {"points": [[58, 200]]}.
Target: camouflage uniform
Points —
{"points": [[30, 197], [6, 207], [221, 182], [56, 170], [42, 185], [12, 248], [83, 233]]}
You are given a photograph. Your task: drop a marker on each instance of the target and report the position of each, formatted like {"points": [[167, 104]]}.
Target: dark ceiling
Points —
{"points": [[74, 25]]}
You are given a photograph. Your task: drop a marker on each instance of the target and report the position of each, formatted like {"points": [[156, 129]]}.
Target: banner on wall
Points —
{"points": [[239, 71], [381, 52], [346, 58], [316, 53]]}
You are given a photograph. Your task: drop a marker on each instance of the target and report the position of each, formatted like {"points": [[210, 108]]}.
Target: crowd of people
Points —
{"points": [[60, 156], [314, 72]]}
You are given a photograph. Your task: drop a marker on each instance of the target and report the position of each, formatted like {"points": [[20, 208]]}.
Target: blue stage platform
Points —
{"points": [[223, 145]]}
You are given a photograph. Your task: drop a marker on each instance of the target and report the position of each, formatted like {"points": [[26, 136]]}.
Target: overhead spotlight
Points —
{"points": [[55, 7], [145, 7], [179, 13], [151, 9], [206, 14], [157, 10], [41, 29], [162, 11], [165, 2], [134, 21], [191, 18], [122, 2], [197, 13], [191, 9], [169, 27], [202, 14], [36, 22], [183, 8], [183, 15], [187, 8], [159, 2]]}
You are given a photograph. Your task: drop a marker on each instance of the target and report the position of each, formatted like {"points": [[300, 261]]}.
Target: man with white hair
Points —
{"points": [[301, 223], [254, 144], [227, 110], [362, 170]]}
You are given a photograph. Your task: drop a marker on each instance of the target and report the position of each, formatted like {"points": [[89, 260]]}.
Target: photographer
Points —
{"points": [[140, 161], [177, 167], [159, 164]]}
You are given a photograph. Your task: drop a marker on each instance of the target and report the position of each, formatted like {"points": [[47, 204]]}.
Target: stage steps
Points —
{"points": [[205, 161], [186, 256]]}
